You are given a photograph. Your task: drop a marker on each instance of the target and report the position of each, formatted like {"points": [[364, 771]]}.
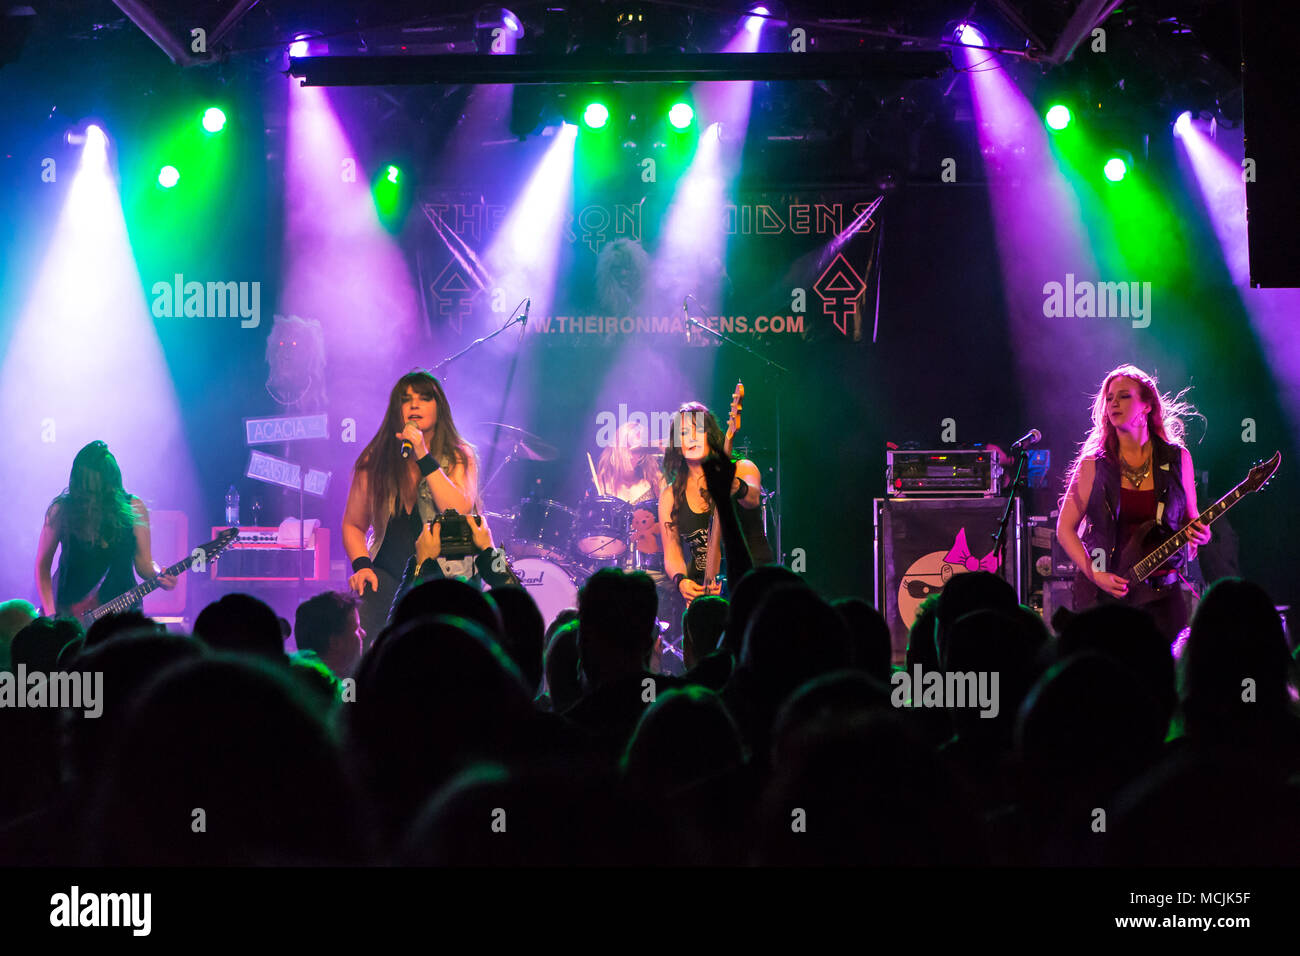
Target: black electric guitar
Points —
{"points": [[88, 610], [1153, 553]]}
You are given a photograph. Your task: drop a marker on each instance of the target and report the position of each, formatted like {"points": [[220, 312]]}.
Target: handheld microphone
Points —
{"points": [[408, 449], [1032, 437]]}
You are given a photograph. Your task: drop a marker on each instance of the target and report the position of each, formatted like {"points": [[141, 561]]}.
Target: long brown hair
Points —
{"points": [[382, 459], [1166, 420], [675, 470], [95, 507]]}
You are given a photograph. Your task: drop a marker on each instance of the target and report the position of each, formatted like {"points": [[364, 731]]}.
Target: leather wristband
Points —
{"points": [[741, 491], [427, 465], [677, 580], [361, 562]]}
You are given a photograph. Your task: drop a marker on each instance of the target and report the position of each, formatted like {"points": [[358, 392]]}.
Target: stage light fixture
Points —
{"points": [[1058, 117], [969, 35], [596, 115], [168, 177], [214, 120], [1115, 169], [681, 115], [393, 174], [1183, 123]]}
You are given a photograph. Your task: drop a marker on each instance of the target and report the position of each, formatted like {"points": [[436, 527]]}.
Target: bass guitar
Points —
{"points": [[1153, 553], [713, 551]]}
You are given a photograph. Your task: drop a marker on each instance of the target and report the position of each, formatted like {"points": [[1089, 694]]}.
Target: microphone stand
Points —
{"points": [[486, 338], [514, 316], [1000, 536], [779, 370]]}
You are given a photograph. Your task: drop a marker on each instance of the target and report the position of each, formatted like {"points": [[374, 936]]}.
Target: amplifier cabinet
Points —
{"points": [[921, 543], [263, 560]]}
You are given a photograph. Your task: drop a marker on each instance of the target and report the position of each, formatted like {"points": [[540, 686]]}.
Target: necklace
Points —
{"points": [[1139, 474]]}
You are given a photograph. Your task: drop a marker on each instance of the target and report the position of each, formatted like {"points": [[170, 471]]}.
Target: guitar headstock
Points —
{"points": [[1261, 474], [218, 544], [733, 415]]}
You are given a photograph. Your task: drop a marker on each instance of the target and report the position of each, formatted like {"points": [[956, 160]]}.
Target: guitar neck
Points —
{"points": [[127, 598], [1211, 514]]}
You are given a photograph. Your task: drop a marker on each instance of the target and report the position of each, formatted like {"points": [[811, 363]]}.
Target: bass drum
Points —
{"points": [[552, 586]]}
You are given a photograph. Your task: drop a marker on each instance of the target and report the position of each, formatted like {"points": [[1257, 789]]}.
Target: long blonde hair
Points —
{"points": [[618, 467], [1166, 420]]}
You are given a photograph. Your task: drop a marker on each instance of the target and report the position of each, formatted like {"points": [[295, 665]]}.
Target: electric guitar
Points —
{"points": [[88, 610], [713, 551], [1153, 551]]}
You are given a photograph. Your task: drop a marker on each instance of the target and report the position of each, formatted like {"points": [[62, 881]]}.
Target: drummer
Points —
{"points": [[630, 469]]}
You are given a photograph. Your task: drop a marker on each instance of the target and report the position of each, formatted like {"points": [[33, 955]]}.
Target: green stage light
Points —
{"points": [[681, 115], [595, 115], [214, 120], [168, 177], [1115, 169], [393, 174], [1058, 117]]}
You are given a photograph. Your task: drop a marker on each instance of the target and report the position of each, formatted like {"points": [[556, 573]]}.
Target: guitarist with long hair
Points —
{"points": [[101, 533], [1132, 470], [686, 508]]}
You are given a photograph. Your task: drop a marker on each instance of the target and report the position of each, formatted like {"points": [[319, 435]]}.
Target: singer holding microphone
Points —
{"points": [[416, 467]]}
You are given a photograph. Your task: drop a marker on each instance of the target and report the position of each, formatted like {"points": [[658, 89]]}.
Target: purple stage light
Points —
{"points": [[524, 254], [969, 35], [1040, 239], [298, 48], [1216, 164], [340, 265]]}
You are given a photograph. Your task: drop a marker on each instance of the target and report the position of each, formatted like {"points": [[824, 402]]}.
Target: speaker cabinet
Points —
{"points": [[922, 543]]}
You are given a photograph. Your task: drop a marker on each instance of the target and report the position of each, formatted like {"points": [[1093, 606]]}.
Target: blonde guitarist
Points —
{"points": [[685, 506]]}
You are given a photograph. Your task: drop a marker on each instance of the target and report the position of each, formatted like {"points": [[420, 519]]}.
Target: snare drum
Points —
{"points": [[601, 529], [543, 529], [552, 587]]}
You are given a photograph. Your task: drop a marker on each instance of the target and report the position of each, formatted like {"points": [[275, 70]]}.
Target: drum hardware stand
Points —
{"points": [[778, 370]]}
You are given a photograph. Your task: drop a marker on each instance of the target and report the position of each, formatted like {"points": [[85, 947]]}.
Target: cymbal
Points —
{"points": [[508, 437]]}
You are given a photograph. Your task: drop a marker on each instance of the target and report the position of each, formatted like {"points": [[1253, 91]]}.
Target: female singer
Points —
{"points": [[397, 497], [103, 533], [1132, 468], [685, 509]]}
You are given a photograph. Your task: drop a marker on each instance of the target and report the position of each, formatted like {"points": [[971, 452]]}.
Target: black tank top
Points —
{"points": [[693, 528], [399, 541], [83, 565]]}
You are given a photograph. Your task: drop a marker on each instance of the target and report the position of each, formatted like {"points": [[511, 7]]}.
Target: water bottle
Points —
{"points": [[257, 512], [232, 507]]}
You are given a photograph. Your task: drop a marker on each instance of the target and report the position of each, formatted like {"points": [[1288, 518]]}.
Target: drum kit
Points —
{"points": [[554, 547]]}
